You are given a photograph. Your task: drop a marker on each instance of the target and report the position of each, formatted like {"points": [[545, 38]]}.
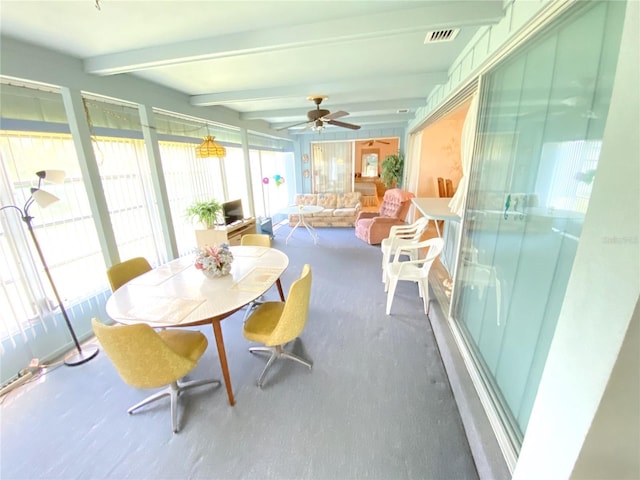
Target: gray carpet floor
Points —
{"points": [[376, 405]]}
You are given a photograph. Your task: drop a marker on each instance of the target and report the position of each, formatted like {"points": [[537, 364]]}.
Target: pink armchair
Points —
{"points": [[373, 227]]}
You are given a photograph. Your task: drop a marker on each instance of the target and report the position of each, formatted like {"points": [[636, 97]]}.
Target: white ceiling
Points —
{"points": [[264, 58]]}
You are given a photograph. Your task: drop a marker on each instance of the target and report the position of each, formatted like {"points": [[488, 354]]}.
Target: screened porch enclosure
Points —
{"points": [[37, 137]]}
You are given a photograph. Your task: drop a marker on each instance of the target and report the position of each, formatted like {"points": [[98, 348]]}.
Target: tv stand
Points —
{"points": [[230, 234]]}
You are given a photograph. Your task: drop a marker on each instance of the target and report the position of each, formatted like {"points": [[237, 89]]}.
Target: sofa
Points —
{"points": [[339, 209], [373, 227]]}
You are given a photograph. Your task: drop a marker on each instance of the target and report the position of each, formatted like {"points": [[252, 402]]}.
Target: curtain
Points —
{"points": [[332, 167], [412, 168], [466, 146]]}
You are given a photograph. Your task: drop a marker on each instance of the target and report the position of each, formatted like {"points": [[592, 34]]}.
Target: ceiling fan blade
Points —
{"points": [[291, 126], [335, 115], [382, 141], [343, 124]]}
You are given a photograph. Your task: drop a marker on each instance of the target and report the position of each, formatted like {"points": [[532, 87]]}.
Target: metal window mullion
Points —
{"points": [[81, 134], [244, 140], [158, 180]]}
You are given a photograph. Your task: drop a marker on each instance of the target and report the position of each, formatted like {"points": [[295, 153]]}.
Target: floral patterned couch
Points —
{"points": [[340, 209]]}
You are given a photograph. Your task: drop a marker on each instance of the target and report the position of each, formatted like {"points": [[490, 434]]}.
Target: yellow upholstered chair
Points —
{"points": [[146, 358], [275, 324], [256, 240], [121, 273]]}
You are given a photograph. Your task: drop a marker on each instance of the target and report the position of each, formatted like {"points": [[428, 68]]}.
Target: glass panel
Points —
{"points": [[540, 127], [126, 178], [332, 167], [236, 178], [173, 126], [65, 230], [271, 180], [188, 179], [263, 142]]}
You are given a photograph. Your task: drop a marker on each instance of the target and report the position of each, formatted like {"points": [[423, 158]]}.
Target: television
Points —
{"points": [[232, 211]]}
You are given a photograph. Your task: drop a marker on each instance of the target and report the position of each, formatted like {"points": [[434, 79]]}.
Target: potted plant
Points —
{"points": [[391, 173], [206, 212]]}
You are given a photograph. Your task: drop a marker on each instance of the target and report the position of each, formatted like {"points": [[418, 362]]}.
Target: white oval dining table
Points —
{"points": [[177, 294]]}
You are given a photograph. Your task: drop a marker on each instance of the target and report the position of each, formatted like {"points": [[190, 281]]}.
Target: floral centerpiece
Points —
{"points": [[214, 261]]}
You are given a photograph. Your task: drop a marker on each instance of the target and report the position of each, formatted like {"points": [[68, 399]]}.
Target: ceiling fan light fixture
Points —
{"points": [[318, 117], [210, 148]]}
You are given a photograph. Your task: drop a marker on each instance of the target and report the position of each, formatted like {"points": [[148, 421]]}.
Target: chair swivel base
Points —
{"points": [[173, 390], [277, 352]]}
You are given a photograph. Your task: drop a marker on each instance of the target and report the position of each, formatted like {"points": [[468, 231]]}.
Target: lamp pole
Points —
{"points": [[81, 356]]}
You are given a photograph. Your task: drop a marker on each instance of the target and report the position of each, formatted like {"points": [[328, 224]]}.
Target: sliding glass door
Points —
{"points": [[541, 120]]}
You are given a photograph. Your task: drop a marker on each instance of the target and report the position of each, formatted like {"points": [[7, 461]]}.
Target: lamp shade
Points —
{"points": [[42, 198], [209, 148], [52, 176]]}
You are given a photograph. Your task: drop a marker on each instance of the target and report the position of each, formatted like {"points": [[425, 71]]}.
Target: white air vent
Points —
{"points": [[403, 110], [438, 36]]}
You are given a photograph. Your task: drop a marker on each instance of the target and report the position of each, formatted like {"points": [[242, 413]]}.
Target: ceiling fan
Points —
{"points": [[369, 143], [318, 117]]}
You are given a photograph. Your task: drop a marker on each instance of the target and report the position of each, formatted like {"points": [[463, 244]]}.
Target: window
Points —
{"points": [[332, 167], [541, 120], [65, 231]]}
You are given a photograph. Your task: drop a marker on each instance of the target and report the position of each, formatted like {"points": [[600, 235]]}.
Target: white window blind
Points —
{"points": [[188, 179], [65, 231]]}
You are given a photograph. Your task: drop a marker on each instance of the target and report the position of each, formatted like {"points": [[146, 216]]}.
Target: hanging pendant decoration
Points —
{"points": [[209, 148]]}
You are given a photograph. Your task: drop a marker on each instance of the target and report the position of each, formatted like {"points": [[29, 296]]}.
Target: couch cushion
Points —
{"points": [[395, 203], [327, 212], [363, 227], [306, 199], [390, 209], [348, 200], [327, 200], [345, 212]]}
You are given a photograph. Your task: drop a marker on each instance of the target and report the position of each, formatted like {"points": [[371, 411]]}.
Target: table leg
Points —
{"points": [[310, 230], [435, 221], [280, 291], [286, 242], [217, 333]]}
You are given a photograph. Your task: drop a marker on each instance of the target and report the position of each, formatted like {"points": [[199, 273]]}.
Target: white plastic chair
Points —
{"points": [[402, 235], [412, 270]]}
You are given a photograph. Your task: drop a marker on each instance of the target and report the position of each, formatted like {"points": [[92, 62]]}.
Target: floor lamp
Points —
{"points": [[44, 199]]}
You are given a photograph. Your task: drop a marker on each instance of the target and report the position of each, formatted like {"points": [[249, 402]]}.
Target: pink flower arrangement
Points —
{"points": [[214, 261]]}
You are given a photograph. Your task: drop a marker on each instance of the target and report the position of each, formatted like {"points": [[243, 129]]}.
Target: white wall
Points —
{"points": [[601, 297], [612, 447], [486, 46]]}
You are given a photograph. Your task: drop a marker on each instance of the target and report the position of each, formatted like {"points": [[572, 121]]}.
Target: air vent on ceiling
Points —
{"points": [[403, 110], [438, 36]]}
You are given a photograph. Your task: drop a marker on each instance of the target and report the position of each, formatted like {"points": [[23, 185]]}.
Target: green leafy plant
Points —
{"points": [[206, 212], [392, 167]]}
